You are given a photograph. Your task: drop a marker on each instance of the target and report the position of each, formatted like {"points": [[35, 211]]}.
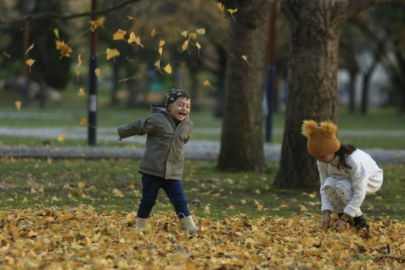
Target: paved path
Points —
{"points": [[194, 150]]}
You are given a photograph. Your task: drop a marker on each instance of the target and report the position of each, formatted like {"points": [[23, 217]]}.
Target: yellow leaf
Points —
{"points": [[192, 35], [111, 53], [119, 35], [6, 54], [81, 92], [30, 62], [130, 18], [244, 57], [83, 121], [232, 11], [207, 209], [79, 60], [168, 68], [303, 208], [64, 48], [78, 71], [134, 39], [160, 51], [117, 193], [198, 47], [97, 72], [184, 34], [161, 43], [30, 48], [54, 199], [56, 31], [200, 31], [220, 7], [206, 83], [18, 105], [153, 32], [157, 64], [61, 138], [25, 200], [185, 46], [95, 24]]}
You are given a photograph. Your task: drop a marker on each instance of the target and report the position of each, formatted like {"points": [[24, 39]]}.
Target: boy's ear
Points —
{"points": [[308, 127]]}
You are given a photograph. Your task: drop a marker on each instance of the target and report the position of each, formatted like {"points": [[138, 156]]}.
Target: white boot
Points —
{"points": [[189, 225], [141, 224]]}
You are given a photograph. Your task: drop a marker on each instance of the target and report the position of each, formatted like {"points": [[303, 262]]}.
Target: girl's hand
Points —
{"points": [[119, 138], [340, 225], [326, 219]]}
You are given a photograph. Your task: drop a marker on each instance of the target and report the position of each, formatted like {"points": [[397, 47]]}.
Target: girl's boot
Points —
{"points": [[189, 225], [141, 224], [360, 222]]}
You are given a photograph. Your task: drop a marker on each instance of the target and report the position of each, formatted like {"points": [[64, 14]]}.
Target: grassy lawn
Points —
{"points": [[115, 185]]}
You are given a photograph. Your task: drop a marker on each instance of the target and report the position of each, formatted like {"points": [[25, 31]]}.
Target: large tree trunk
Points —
{"points": [[221, 73], [242, 138], [312, 79]]}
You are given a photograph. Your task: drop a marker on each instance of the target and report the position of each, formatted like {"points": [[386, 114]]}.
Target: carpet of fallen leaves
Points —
{"points": [[81, 238]]}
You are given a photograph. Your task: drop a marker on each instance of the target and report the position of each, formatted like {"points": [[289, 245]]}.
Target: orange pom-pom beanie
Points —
{"points": [[321, 140]]}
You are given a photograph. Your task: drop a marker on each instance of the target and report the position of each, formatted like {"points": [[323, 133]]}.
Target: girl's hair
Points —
{"points": [[345, 149]]}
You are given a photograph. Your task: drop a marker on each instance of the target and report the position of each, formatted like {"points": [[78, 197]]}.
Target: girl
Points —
{"points": [[347, 174], [168, 129]]}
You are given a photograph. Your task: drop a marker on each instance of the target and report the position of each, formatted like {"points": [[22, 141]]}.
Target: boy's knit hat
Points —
{"points": [[174, 94], [321, 140]]}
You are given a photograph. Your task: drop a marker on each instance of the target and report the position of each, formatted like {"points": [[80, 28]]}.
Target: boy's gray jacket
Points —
{"points": [[164, 154]]}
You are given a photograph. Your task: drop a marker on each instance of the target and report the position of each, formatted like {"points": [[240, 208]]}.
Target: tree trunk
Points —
{"points": [[242, 138], [365, 91], [312, 83], [223, 57], [352, 90]]}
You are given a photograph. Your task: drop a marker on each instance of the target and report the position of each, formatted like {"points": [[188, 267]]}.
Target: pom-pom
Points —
{"points": [[329, 129], [308, 127]]}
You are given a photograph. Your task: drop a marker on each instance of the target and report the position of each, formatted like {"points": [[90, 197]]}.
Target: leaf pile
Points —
{"points": [[52, 238]]}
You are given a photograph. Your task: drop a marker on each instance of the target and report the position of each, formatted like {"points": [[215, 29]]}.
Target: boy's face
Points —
{"points": [[180, 108], [327, 159]]}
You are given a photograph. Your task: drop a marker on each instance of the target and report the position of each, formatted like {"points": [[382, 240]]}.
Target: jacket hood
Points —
{"points": [[159, 109]]}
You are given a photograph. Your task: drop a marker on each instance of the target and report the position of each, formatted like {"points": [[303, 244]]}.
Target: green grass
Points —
{"points": [[69, 183]]}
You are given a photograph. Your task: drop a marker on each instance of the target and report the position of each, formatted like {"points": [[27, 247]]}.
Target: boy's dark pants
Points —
{"points": [[174, 190]]}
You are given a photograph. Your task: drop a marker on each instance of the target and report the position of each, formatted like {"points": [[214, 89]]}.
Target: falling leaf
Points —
{"points": [[161, 43], [78, 71], [168, 69], [111, 53], [56, 32], [95, 24], [97, 72], [244, 57], [18, 105], [160, 51], [157, 64], [61, 138], [119, 35], [200, 31], [232, 11], [130, 18], [221, 7], [30, 62], [6, 54], [184, 34], [206, 83], [83, 121], [30, 48], [79, 60], [185, 46], [134, 39], [198, 47], [153, 32], [192, 35], [64, 48], [81, 93]]}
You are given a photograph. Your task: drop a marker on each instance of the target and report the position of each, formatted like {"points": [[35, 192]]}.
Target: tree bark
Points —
{"points": [[312, 79], [242, 138]]}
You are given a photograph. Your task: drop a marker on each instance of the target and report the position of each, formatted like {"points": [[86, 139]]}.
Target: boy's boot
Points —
{"points": [[360, 222], [350, 221], [141, 224], [189, 225]]}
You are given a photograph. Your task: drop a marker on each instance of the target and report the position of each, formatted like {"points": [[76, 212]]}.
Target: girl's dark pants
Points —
{"points": [[174, 190]]}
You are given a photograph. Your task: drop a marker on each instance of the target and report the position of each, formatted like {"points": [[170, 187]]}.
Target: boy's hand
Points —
{"points": [[119, 138]]}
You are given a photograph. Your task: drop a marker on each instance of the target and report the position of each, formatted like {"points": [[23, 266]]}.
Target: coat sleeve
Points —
{"points": [[140, 127], [359, 178], [323, 174]]}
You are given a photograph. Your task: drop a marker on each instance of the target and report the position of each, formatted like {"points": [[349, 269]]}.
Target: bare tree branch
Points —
{"points": [[61, 16], [352, 8]]}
